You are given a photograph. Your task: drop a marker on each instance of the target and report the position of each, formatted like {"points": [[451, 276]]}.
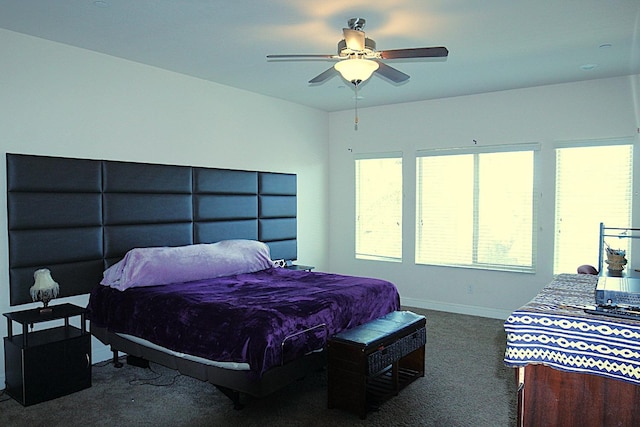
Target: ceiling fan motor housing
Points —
{"points": [[369, 48]]}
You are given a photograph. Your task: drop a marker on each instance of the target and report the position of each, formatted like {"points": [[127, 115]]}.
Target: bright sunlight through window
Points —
{"points": [[475, 209], [593, 185], [379, 209]]}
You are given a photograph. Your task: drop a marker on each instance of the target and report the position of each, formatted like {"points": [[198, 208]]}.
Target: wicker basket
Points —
{"points": [[380, 359], [615, 262]]}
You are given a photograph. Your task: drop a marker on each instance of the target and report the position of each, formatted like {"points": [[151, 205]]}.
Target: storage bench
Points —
{"points": [[372, 362]]}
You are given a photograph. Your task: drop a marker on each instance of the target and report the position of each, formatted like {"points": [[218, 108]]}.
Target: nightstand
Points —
{"points": [[300, 267], [48, 363]]}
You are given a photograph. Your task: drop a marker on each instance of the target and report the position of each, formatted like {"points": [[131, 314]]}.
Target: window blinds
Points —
{"points": [[593, 185], [379, 208], [475, 208]]}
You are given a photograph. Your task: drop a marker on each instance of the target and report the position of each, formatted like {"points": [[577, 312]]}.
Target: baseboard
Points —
{"points": [[471, 310], [100, 352]]}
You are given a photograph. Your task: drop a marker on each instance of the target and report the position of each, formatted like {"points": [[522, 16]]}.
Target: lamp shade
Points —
{"points": [[356, 70], [45, 288]]}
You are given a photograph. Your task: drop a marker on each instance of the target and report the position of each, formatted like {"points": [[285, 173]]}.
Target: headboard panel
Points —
{"points": [[77, 216], [145, 205], [126, 177], [210, 232], [54, 218], [277, 213], [119, 239]]}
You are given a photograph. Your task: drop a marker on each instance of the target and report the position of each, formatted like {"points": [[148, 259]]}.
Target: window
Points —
{"points": [[475, 208], [593, 185], [379, 208]]}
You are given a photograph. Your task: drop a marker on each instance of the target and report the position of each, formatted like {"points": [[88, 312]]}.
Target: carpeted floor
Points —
{"points": [[465, 384]]}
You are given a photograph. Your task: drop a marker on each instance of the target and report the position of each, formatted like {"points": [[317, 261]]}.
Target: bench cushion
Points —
{"points": [[380, 328]]}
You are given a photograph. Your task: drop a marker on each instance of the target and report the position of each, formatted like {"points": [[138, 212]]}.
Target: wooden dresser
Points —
{"points": [[573, 368]]}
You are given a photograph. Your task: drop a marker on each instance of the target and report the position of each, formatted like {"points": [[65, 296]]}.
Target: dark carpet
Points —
{"points": [[465, 384]]}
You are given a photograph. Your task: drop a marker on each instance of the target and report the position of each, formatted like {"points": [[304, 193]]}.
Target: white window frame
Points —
{"points": [[381, 232], [420, 255], [599, 202]]}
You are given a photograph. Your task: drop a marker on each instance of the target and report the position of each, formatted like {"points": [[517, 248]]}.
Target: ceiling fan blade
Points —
{"points": [[354, 39], [299, 56], [418, 52], [325, 75], [391, 73]]}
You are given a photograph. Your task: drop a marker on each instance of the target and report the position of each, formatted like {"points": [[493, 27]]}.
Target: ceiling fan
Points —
{"points": [[358, 58]]}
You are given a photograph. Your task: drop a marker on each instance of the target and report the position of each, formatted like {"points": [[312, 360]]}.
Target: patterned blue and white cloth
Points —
{"points": [[553, 330]]}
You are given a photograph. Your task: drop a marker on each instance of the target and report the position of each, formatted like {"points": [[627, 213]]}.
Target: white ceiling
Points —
{"points": [[493, 45]]}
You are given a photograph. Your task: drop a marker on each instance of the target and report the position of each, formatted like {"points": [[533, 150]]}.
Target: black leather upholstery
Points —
{"points": [[77, 216]]}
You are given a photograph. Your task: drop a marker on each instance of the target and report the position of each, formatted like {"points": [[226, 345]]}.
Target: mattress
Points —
{"points": [[262, 319]]}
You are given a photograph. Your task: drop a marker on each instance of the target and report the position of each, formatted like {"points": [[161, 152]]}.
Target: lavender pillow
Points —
{"points": [[164, 265]]}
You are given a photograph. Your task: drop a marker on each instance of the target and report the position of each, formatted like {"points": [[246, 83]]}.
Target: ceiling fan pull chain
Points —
{"points": [[355, 83]]}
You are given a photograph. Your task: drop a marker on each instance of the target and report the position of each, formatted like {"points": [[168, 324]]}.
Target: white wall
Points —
{"points": [[596, 109], [63, 101]]}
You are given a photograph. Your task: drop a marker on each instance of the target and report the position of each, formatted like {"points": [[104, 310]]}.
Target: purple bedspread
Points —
{"points": [[245, 317]]}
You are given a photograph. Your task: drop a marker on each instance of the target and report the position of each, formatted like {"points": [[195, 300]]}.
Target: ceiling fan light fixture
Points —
{"points": [[357, 69]]}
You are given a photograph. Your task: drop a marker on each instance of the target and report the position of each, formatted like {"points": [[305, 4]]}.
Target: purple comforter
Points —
{"points": [[245, 317]]}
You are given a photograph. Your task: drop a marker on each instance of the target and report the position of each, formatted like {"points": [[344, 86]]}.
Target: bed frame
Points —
{"points": [[77, 217]]}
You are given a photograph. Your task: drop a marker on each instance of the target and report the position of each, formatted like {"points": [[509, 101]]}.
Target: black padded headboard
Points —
{"points": [[76, 216]]}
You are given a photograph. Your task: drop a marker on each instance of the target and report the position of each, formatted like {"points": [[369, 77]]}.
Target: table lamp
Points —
{"points": [[44, 289]]}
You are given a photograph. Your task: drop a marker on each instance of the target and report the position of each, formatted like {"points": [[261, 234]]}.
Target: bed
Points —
{"points": [[251, 324], [83, 218]]}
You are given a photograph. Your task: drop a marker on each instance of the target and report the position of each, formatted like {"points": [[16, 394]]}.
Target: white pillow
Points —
{"points": [[164, 265]]}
